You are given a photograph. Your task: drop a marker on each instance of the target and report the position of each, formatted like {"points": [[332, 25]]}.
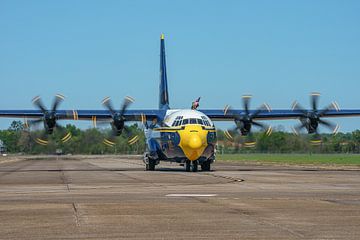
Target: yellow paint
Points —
{"points": [[41, 141], [108, 143], [228, 135], [193, 141], [75, 115], [143, 118], [133, 140], [315, 142], [67, 137], [269, 131], [250, 144], [162, 36], [94, 121]]}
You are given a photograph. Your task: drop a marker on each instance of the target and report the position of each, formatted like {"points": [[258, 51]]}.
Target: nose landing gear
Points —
{"points": [[191, 166]]}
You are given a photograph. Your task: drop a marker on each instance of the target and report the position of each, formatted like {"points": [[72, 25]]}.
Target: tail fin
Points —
{"points": [[164, 95]]}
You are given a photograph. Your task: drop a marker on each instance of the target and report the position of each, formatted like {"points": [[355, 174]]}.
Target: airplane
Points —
{"points": [[184, 136]]}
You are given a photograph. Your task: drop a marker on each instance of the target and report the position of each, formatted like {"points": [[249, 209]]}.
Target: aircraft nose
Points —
{"points": [[195, 141]]}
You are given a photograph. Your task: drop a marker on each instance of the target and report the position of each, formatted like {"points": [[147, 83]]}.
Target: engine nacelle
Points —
{"points": [[244, 126]]}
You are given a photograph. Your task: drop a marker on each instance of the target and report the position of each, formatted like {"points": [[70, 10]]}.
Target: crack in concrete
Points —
{"points": [[76, 214]]}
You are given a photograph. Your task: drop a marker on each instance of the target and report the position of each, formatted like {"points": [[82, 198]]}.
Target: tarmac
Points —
{"points": [[112, 197]]}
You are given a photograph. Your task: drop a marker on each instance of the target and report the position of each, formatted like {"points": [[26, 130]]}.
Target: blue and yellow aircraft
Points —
{"points": [[185, 136]]}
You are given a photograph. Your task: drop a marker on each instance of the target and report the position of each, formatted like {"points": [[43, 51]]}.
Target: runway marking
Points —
{"points": [[190, 195]]}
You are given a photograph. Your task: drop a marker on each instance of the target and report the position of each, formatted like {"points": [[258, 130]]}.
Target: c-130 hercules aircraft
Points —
{"points": [[185, 136]]}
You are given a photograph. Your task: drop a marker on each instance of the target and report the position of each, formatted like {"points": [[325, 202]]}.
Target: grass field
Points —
{"points": [[338, 159]]}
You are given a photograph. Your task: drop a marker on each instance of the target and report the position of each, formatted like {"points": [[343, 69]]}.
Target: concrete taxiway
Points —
{"points": [[112, 197]]}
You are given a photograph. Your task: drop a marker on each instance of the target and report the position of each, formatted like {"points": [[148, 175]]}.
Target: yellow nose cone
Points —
{"points": [[195, 141]]}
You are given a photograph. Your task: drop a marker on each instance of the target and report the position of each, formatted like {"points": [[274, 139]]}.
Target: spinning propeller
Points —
{"points": [[118, 122], [311, 119], [49, 120], [245, 120]]}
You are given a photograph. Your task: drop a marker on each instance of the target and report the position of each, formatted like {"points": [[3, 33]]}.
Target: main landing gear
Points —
{"points": [[150, 166], [206, 166], [150, 162]]}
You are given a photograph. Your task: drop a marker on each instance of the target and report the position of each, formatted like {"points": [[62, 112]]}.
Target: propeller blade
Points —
{"points": [[332, 126], [246, 103], [249, 142], [297, 107], [101, 124], [58, 99], [297, 128], [109, 142], [133, 140], [228, 135], [260, 125], [38, 104], [31, 123], [332, 106], [227, 109], [127, 101], [42, 139], [316, 140], [263, 108], [106, 102], [58, 126], [66, 137], [314, 98]]}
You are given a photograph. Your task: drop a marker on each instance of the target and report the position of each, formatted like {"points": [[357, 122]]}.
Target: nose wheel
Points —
{"points": [[191, 166]]}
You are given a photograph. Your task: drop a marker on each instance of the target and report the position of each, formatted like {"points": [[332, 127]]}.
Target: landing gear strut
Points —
{"points": [[191, 166], [206, 166], [187, 165], [151, 165], [149, 162]]}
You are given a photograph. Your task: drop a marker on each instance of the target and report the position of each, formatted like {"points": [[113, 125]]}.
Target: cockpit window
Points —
{"points": [[177, 121], [193, 121], [206, 121], [203, 122]]}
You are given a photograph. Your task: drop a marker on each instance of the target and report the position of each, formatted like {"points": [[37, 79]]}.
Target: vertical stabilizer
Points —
{"points": [[163, 90]]}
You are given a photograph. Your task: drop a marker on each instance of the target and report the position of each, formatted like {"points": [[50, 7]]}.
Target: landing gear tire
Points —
{"points": [[187, 165], [194, 166], [151, 165], [206, 166]]}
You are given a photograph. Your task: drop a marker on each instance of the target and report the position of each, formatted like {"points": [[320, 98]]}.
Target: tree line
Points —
{"points": [[90, 141]]}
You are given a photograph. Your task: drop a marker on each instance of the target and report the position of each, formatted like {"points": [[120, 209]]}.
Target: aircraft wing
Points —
{"points": [[222, 115], [130, 115]]}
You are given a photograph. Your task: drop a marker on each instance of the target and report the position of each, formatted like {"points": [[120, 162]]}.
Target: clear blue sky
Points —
{"points": [[279, 51]]}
